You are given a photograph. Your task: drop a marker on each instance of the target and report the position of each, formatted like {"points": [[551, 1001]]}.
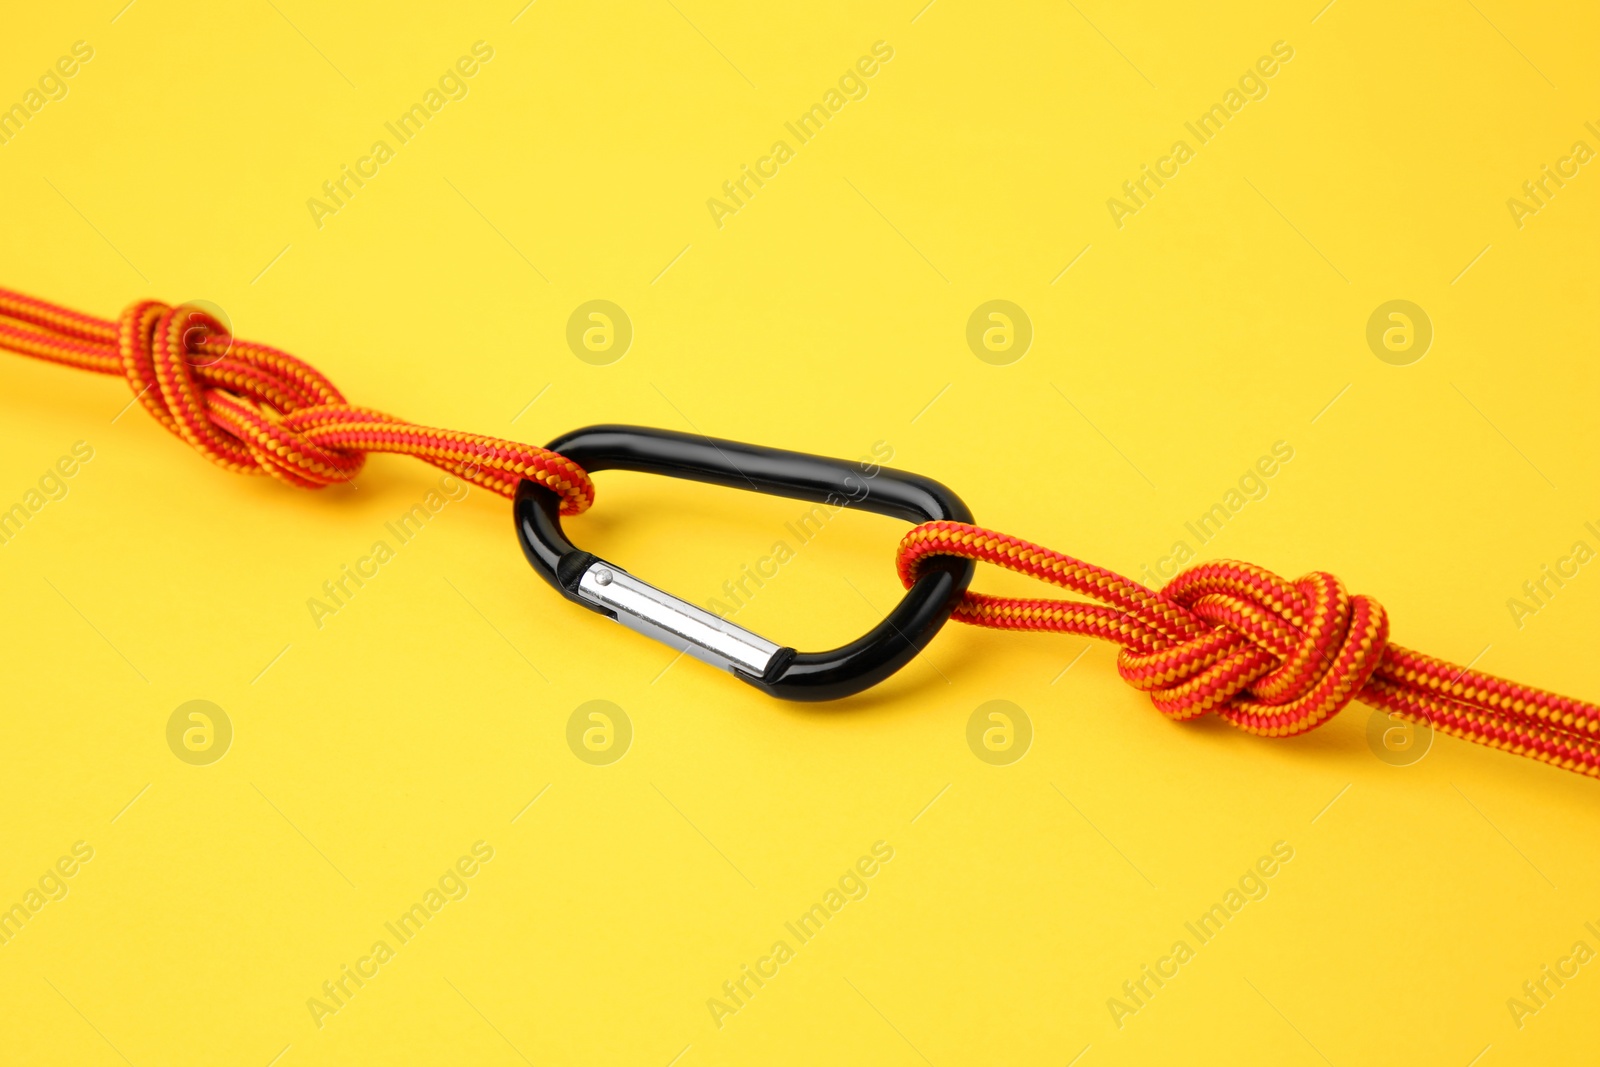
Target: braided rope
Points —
{"points": [[255, 410], [1271, 657]]}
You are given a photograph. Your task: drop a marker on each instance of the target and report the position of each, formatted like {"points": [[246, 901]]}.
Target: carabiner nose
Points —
{"points": [[776, 669]]}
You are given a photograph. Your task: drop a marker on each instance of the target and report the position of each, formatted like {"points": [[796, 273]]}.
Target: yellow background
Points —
{"points": [[824, 316]]}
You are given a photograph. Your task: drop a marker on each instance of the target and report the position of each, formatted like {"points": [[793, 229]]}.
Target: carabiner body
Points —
{"points": [[779, 670]]}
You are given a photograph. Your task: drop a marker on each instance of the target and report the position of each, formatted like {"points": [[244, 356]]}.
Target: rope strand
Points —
{"points": [[1271, 657], [252, 409]]}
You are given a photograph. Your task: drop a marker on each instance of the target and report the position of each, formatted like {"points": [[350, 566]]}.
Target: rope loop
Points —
{"points": [[242, 406], [253, 409], [1270, 656], [1277, 658]]}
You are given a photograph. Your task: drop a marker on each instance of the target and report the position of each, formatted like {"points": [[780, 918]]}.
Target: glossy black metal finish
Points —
{"points": [[836, 483]]}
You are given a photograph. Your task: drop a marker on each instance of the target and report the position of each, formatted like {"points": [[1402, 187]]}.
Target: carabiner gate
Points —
{"points": [[778, 670]]}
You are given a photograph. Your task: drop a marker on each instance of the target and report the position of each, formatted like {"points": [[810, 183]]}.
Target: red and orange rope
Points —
{"points": [[1272, 657], [256, 410]]}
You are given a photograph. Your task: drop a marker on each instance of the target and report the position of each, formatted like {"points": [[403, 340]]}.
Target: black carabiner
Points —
{"points": [[777, 670]]}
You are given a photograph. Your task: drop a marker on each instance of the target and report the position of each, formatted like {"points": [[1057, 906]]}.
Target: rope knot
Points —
{"points": [[244, 406], [256, 410], [1271, 656]]}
